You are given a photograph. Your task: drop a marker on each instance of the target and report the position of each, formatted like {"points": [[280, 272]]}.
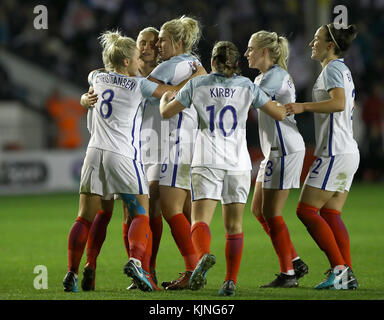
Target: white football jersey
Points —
{"points": [[333, 131], [151, 132], [222, 105], [278, 138], [184, 124], [117, 115]]}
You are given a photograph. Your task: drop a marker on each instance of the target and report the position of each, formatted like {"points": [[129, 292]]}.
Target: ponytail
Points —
{"points": [[226, 57], [184, 29], [116, 48], [277, 46]]}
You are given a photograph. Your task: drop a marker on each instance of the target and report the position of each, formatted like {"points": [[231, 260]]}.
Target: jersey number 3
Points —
{"points": [[106, 106]]}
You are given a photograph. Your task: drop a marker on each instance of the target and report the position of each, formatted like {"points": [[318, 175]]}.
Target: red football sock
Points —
{"points": [[157, 230], [201, 238], [125, 236], [281, 242], [77, 240], [148, 252], [181, 232], [138, 236], [266, 229], [233, 254], [263, 223], [96, 236], [333, 218], [320, 231]]}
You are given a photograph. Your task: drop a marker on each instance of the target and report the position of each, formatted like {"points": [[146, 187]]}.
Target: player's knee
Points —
{"points": [[256, 210]]}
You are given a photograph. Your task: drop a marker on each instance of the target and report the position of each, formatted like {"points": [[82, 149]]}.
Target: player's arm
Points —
{"points": [[89, 99], [274, 109], [169, 107], [335, 104], [163, 88]]}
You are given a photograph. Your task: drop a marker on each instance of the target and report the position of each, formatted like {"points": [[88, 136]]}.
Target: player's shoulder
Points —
{"points": [[337, 65], [276, 73], [242, 81], [92, 75]]}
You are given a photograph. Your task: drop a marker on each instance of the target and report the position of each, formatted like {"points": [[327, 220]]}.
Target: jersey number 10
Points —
{"points": [[211, 110]]}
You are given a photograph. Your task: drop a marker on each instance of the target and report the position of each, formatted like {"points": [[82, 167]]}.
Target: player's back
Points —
{"points": [[118, 114], [278, 138], [222, 105], [173, 72]]}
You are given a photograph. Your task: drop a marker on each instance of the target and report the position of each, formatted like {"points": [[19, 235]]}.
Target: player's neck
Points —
{"points": [[268, 64], [328, 60], [145, 68]]}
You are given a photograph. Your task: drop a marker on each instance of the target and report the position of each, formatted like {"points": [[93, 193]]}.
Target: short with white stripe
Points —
{"points": [[106, 173], [218, 184], [333, 173], [281, 172]]}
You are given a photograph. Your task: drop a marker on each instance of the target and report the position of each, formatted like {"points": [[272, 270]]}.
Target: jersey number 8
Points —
{"points": [[106, 102]]}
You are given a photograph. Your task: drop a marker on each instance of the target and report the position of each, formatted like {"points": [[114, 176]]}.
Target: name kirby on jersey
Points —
{"points": [[222, 92]]}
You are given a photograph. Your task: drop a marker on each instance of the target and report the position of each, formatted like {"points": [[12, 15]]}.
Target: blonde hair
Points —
{"points": [[226, 57], [185, 29], [116, 48], [152, 30], [277, 46]]}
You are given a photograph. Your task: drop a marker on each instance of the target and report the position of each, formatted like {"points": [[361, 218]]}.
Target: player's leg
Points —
{"points": [[96, 237], [331, 212], [202, 214], [233, 222], [311, 200], [187, 210], [274, 201], [127, 220], [172, 205], [98, 231], [89, 204], [138, 235], [155, 222], [257, 205]]}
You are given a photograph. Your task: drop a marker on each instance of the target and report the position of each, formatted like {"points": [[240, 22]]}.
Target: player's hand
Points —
{"points": [[198, 69], [89, 99], [169, 95], [294, 108]]}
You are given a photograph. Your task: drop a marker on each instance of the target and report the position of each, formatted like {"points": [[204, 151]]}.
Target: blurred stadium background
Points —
{"points": [[43, 72]]}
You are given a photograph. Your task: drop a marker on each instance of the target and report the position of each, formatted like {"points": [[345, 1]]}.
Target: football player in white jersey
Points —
{"points": [[283, 149], [146, 43], [330, 176], [221, 163], [113, 161], [177, 38]]}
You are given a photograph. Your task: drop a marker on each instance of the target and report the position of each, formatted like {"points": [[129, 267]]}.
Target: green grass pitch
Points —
{"points": [[34, 231]]}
